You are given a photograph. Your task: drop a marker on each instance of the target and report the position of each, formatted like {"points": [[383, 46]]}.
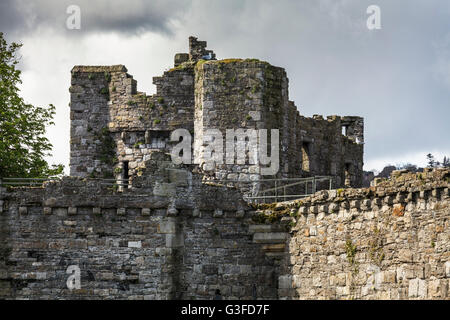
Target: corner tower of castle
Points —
{"points": [[115, 128]]}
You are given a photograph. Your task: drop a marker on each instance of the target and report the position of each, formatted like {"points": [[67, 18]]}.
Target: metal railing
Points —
{"points": [[25, 182], [274, 190], [261, 190], [39, 182]]}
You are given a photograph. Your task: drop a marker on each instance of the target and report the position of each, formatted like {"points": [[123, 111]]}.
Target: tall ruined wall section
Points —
{"points": [[236, 94], [115, 128], [112, 123], [391, 241], [170, 237], [322, 148], [252, 94]]}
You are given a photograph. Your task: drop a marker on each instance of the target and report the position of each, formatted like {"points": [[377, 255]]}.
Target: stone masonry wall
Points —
{"points": [[391, 241], [115, 128], [170, 237], [173, 237], [112, 122]]}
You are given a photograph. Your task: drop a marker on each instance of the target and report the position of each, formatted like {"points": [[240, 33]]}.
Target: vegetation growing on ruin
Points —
{"points": [[376, 253], [107, 76], [350, 250], [106, 147], [263, 218], [104, 91]]}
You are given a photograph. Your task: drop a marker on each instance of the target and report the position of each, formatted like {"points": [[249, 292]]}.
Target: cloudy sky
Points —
{"points": [[397, 78]]}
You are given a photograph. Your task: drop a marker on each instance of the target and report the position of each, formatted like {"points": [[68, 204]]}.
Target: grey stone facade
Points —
{"points": [[174, 237], [115, 128]]}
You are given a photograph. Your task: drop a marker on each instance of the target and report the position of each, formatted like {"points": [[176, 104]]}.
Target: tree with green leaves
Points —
{"points": [[23, 145]]}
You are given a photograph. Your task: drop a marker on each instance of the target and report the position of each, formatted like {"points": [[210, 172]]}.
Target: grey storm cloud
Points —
{"points": [[397, 78], [131, 16]]}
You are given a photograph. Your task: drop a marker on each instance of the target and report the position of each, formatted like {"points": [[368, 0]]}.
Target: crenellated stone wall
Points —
{"points": [[391, 241], [171, 236]]}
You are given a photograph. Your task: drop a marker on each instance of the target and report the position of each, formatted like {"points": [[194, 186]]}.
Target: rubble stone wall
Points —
{"points": [[391, 241], [169, 238], [173, 237]]}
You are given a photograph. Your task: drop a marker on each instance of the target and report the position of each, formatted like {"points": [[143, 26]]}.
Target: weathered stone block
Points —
{"points": [[121, 211], [272, 237], [47, 210], [174, 240], [303, 210], [71, 211], [417, 288], [389, 200], [355, 204], [167, 226], [334, 207], [145, 211], [285, 282], [345, 205], [314, 209], [196, 213], [164, 189], [97, 210], [447, 269], [134, 244], [50, 202], [23, 210], [259, 228], [218, 213], [172, 211], [376, 202], [240, 213], [179, 177]]}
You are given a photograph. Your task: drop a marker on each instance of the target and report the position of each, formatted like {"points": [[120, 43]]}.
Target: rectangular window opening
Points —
{"points": [[126, 173], [306, 156]]}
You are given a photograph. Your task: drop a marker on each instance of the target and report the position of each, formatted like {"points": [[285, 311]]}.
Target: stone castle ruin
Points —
{"points": [[115, 128], [169, 233]]}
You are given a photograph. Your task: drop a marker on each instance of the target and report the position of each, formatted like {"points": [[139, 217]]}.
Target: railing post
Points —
{"points": [[276, 191], [314, 185]]}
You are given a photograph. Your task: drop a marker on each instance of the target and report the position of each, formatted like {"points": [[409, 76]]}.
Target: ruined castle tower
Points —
{"points": [[115, 128]]}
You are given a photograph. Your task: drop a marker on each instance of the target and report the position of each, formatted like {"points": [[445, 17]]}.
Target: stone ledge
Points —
{"points": [[270, 237]]}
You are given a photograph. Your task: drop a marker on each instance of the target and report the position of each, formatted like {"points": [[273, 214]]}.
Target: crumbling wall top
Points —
{"points": [[116, 68], [197, 50]]}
